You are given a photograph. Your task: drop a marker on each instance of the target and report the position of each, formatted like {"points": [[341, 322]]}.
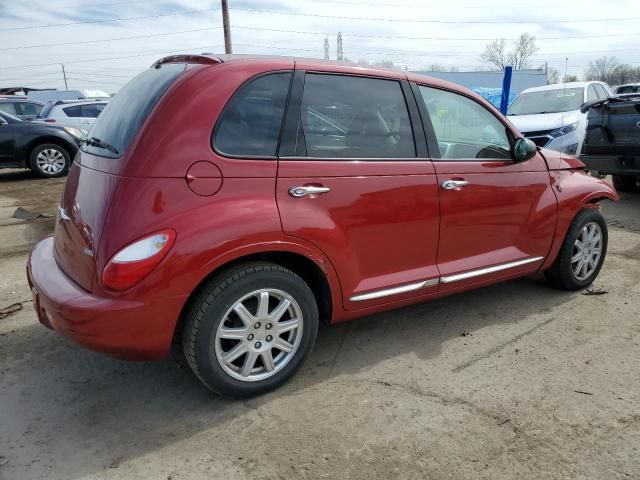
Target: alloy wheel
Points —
{"points": [[51, 161], [259, 335], [587, 250]]}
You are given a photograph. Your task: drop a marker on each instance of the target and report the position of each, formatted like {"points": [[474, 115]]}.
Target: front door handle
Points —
{"points": [[305, 190], [454, 184]]}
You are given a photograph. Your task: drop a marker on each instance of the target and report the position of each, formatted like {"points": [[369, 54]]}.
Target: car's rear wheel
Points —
{"points": [[50, 160], [250, 329], [625, 183], [582, 253]]}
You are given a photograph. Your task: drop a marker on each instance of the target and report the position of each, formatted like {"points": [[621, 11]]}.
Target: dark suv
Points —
{"points": [[45, 149]]}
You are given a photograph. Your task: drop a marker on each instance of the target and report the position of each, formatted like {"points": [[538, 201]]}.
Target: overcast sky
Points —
{"points": [[414, 33]]}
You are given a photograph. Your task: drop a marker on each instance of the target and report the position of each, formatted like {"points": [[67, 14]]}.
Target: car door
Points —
{"points": [[7, 141], [354, 180], [497, 216]]}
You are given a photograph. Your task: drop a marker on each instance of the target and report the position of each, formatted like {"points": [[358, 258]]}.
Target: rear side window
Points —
{"points": [[250, 123], [355, 117], [9, 108], [124, 114], [90, 110], [26, 108]]}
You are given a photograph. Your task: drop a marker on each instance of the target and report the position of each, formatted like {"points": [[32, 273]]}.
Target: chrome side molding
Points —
{"points": [[410, 287], [63, 214], [485, 271], [396, 290]]}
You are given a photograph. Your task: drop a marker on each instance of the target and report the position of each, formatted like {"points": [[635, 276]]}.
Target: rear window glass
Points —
{"points": [[251, 121], [90, 110], [123, 116]]}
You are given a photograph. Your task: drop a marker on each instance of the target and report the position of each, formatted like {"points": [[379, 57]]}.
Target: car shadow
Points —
{"points": [[95, 412]]}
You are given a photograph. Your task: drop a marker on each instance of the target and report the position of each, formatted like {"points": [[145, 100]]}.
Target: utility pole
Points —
{"points": [[226, 27], [339, 47], [64, 75], [326, 48]]}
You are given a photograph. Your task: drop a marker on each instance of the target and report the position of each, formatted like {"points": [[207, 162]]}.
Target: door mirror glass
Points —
{"points": [[524, 149]]}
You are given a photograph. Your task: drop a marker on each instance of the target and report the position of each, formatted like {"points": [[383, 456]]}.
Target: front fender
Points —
{"points": [[574, 190]]}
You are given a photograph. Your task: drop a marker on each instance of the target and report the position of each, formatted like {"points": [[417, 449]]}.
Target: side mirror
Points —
{"points": [[524, 149]]}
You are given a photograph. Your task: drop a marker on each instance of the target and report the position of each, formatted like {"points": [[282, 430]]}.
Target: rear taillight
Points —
{"points": [[50, 120], [135, 261]]}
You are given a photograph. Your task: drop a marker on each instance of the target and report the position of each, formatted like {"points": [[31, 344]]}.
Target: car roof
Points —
{"points": [[311, 64], [66, 103], [561, 86]]}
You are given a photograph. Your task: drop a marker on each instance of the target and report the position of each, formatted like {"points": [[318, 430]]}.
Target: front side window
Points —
{"points": [[355, 117], [591, 94], [463, 128], [602, 92], [250, 123]]}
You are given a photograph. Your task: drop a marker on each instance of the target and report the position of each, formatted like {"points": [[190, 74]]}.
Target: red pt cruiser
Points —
{"points": [[232, 203]]}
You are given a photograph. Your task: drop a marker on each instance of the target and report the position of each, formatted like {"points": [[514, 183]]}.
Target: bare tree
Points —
{"points": [[496, 55], [601, 68], [440, 67], [524, 50], [553, 76]]}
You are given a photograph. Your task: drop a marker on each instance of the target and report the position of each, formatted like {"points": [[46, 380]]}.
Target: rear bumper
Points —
{"points": [[612, 164], [126, 329]]}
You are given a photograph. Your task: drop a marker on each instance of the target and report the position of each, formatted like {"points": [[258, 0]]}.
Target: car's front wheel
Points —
{"points": [[50, 160], [250, 329], [582, 253]]}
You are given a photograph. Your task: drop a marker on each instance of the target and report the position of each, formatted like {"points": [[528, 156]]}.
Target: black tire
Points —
{"points": [[42, 172], [216, 298], [625, 183], [560, 274]]}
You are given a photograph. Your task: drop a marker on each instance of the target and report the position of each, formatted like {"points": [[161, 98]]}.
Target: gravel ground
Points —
{"points": [[512, 381]]}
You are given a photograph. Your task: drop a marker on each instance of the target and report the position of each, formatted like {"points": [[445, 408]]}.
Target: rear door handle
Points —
{"points": [[305, 190], [454, 184]]}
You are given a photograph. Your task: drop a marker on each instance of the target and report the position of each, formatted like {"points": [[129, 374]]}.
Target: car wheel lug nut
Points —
{"points": [[257, 325], [269, 338], [268, 326], [258, 344], [250, 337]]}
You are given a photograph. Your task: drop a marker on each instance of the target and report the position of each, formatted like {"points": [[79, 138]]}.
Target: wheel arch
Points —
{"points": [[316, 271], [61, 142]]}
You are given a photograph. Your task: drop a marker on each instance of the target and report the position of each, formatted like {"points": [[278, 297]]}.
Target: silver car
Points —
{"points": [[79, 114]]}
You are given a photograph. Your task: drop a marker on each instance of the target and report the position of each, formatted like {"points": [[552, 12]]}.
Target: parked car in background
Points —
{"points": [[629, 89], [72, 113], [271, 194], [20, 107], [551, 116], [612, 142], [46, 149], [46, 96]]}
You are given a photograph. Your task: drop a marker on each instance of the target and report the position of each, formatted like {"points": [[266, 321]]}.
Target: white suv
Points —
{"points": [[551, 116], [78, 114]]}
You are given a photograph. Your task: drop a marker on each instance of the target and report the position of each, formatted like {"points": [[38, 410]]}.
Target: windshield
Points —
{"points": [[123, 116], [547, 101]]}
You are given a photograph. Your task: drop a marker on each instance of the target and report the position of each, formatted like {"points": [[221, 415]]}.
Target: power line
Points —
{"points": [[414, 20], [110, 39], [164, 52], [117, 19]]}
